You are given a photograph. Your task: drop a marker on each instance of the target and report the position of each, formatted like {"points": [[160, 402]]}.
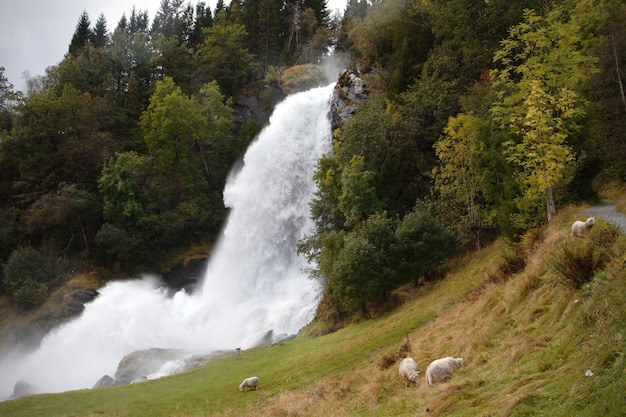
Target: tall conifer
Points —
{"points": [[82, 35]]}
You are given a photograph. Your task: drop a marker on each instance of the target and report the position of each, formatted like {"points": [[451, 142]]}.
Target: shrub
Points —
{"points": [[30, 293], [575, 262], [117, 245], [514, 261], [27, 274]]}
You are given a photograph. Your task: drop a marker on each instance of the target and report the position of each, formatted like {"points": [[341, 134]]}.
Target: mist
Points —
{"points": [[255, 283]]}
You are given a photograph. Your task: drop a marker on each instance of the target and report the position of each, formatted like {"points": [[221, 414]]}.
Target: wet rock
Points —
{"points": [[148, 364], [84, 295], [143, 362], [186, 276], [21, 389], [139, 379], [71, 305], [105, 381]]}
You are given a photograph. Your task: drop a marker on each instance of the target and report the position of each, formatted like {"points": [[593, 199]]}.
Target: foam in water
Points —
{"points": [[255, 282]]}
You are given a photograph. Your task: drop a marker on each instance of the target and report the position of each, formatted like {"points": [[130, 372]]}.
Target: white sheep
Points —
{"points": [[441, 369], [409, 371], [252, 382], [578, 227]]}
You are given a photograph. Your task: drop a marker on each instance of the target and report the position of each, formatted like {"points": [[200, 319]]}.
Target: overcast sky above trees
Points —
{"points": [[36, 34]]}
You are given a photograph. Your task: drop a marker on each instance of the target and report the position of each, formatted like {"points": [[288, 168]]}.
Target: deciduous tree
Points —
{"points": [[27, 274], [421, 245], [542, 72], [458, 177], [543, 154]]}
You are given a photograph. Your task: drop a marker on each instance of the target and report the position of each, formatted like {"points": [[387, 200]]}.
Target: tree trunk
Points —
{"points": [[550, 204], [364, 311], [619, 76]]}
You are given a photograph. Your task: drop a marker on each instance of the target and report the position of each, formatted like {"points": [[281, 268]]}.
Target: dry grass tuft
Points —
{"points": [[386, 361]]}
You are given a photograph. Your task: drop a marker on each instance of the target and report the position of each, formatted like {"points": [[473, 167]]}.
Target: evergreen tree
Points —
{"points": [[82, 35], [203, 20], [101, 33], [608, 92], [168, 21], [8, 98], [138, 22], [132, 56], [224, 55]]}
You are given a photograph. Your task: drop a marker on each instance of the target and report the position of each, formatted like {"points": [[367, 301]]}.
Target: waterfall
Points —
{"points": [[254, 286]]}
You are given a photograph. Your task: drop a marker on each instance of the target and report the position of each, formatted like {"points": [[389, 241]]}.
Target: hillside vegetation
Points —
{"points": [[529, 333]]}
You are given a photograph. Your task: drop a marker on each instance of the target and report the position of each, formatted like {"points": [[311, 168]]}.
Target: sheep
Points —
{"points": [[252, 382], [409, 372], [578, 227], [441, 369]]}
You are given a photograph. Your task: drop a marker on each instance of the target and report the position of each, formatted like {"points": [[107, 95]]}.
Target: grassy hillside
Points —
{"points": [[527, 335]]}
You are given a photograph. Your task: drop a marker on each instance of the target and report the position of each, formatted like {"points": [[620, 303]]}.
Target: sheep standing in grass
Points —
{"points": [[252, 382], [578, 227], [409, 372], [441, 369]]}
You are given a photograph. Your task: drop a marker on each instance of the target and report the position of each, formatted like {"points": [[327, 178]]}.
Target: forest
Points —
{"points": [[483, 119]]}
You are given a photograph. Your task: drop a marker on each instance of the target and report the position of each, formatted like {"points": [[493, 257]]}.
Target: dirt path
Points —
{"points": [[606, 211]]}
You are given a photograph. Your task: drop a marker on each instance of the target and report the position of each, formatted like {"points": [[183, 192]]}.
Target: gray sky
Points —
{"points": [[35, 34]]}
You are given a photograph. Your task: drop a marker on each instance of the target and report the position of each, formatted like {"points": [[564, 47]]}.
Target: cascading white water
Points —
{"points": [[255, 282]]}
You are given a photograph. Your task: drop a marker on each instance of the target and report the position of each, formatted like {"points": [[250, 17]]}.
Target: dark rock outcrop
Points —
{"points": [[257, 105], [185, 275], [77, 302], [105, 381], [21, 389]]}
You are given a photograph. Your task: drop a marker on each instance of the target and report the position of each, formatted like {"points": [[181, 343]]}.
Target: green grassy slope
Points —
{"points": [[527, 338]]}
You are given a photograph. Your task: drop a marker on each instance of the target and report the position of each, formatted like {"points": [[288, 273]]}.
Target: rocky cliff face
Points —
{"points": [[350, 92], [258, 104]]}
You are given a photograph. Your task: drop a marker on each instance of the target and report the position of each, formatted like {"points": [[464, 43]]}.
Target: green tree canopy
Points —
{"points": [[27, 274], [172, 126], [543, 71], [60, 138], [224, 56], [458, 178], [422, 245]]}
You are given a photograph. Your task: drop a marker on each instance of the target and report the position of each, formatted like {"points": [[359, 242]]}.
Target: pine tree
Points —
{"points": [[204, 19], [100, 32], [82, 35]]}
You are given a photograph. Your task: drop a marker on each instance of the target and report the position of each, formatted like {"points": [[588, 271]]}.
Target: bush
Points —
{"points": [[118, 246], [26, 276], [577, 260], [30, 293]]}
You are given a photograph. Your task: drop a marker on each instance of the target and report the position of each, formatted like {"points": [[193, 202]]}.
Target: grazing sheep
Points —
{"points": [[252, 382], [441, 369], [409, 372], [578, 227]]}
